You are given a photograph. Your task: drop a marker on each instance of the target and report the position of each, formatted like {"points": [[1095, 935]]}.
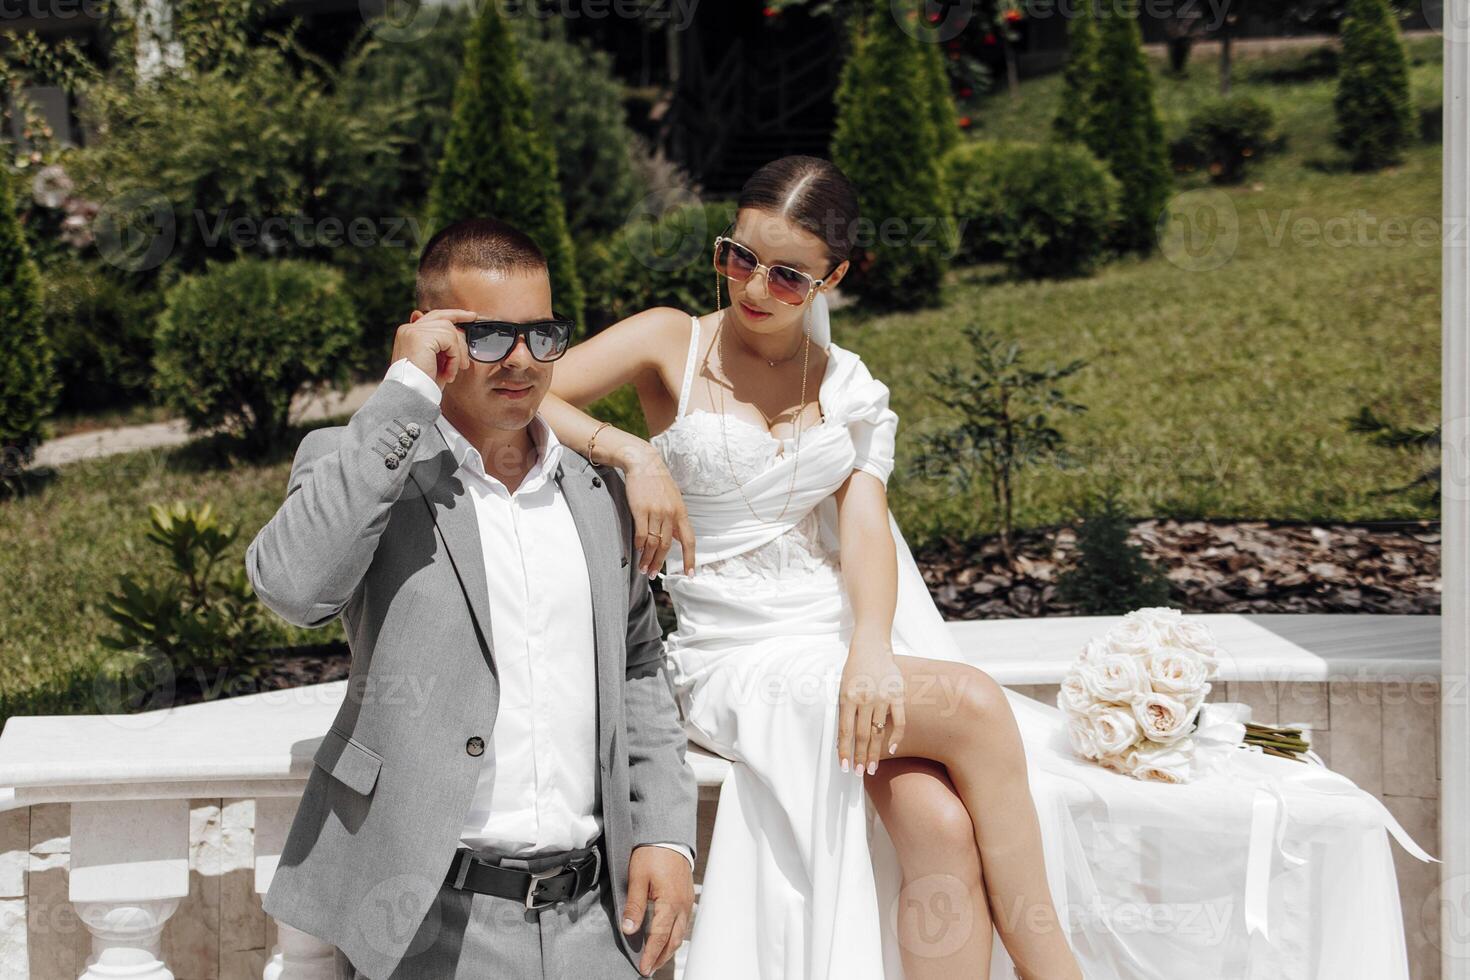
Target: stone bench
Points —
{"points": [[152, 836]]}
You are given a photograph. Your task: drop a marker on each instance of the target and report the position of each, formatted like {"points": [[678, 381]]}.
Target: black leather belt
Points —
{"points": [[537, 889]]}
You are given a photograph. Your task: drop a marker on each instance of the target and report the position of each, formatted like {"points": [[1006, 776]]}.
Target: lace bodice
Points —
{"points": [[694, 448]]}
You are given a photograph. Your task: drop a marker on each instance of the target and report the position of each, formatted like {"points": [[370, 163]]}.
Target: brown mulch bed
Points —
{"points": [[1214, 566]]}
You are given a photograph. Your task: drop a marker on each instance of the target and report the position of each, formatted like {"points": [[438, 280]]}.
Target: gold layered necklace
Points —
{"points": [[800, 412]]}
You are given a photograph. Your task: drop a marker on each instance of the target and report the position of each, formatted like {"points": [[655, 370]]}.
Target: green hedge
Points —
{"points": [[238, 342], [886, 143], [1375, 118], [662, 261], [1224, 136], [497, 160], [1047, 210], [28, 385], [1123, 129]]}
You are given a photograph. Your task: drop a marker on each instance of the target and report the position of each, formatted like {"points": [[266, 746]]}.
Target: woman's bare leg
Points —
{"points": [[944, 927], [958, 716]]}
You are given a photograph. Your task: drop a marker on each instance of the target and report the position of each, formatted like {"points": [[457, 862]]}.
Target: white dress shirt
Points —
{"points": [[538, 789]]}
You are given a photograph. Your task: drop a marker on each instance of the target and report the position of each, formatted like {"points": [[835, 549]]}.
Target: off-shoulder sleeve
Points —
{"points": [[871, 423]]}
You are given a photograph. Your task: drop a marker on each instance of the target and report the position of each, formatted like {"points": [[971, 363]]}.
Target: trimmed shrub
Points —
{"points": [[28, 385], [582, 105], [1123, 129], [940, 97], [497, 161], [890, 153], [236, 343], [260, 156], [1046, 210], [658, 262], [101, 329], [1223, 136], [1079, 77], [1375, 119], [572, 84]]}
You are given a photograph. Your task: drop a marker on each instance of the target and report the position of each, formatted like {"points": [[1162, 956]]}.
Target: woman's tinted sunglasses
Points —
{"points": [[785, 284], [491, 341]]}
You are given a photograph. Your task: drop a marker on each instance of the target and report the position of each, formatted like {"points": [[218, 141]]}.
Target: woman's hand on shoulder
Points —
{"points": [[658, 512]]}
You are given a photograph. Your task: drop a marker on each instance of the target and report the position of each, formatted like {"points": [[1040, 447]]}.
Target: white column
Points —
{"points": [[155, 49], [1454, 807], [296, 955], [129, 869]]}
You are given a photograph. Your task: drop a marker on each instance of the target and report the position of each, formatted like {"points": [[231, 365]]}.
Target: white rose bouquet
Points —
{"points": [[1134, 699]]}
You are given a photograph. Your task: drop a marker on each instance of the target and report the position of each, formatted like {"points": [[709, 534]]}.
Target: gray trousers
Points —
{"points": [[469, 936]]}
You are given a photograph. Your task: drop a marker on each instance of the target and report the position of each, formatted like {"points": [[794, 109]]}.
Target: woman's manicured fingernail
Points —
{"points": [[872, 768], [628, 925], [892, 747], [844, 765]]}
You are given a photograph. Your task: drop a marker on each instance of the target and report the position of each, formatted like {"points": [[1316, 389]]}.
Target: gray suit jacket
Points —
{"points": [[395, 551]]}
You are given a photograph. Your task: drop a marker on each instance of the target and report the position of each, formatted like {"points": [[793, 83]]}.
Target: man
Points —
{"points": [[503, 792]]}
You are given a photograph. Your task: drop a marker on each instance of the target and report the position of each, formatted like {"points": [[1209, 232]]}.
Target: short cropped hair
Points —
{"points": [[481, 244]]}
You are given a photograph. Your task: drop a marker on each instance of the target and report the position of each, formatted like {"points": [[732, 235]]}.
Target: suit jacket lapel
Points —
{"points": [[597, 525], [453, 512]]}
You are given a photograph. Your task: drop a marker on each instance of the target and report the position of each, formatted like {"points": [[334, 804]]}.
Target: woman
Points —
{"points": [[809, 650], [791, 657]]}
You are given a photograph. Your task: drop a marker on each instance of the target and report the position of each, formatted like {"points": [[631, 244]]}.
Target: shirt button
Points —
{"points": [[597, 481], [475, 746]]}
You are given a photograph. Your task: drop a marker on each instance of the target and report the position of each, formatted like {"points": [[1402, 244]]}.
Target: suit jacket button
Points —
{"points": [[413, 429], [390, 461], [625, 561], [475, 746], [597, 481]]}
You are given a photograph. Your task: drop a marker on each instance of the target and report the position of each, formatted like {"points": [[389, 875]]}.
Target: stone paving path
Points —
{"points": [[130, 438]]}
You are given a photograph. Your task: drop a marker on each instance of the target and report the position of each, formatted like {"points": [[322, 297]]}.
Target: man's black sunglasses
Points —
{"points": [[491, 341]]}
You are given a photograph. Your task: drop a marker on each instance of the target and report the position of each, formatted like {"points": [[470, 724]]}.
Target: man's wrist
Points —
{"points": [[680, 848], [407, 372]]}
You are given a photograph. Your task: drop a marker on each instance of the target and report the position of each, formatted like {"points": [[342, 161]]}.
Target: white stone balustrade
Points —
{"points": [[139, 845]]}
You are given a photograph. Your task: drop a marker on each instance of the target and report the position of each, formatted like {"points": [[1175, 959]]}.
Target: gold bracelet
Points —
{"points": [[590, 441]]}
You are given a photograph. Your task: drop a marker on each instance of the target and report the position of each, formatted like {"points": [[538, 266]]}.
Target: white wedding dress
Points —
{"points": [[1273, 869]]}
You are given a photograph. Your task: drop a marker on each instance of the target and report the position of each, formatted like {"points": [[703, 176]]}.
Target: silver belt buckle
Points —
{"points": [[536, 878]]}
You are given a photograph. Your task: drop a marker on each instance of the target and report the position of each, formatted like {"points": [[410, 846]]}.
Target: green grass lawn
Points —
{"points": [[1216, 392], [62, 548], [1221, 392]]}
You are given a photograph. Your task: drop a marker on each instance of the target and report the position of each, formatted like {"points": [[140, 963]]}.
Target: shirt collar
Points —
{"points": [[548, 452]]}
